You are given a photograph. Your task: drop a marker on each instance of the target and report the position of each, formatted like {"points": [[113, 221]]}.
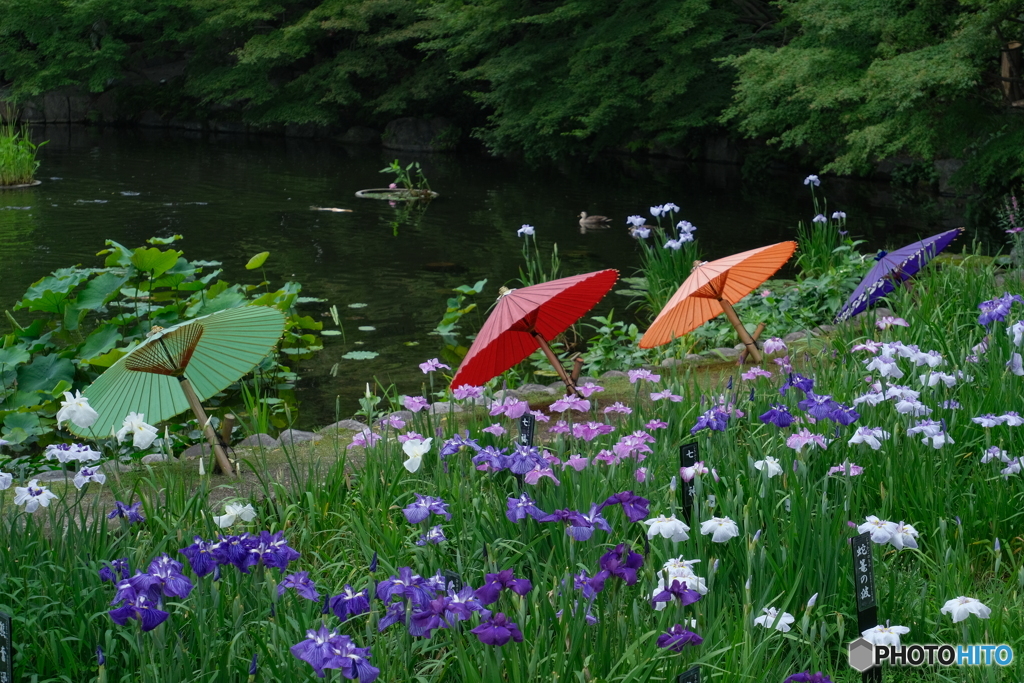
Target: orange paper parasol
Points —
{"points": [[711, 290], [526, 319]]}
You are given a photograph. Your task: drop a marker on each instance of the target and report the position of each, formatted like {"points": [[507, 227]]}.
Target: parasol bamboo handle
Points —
{"points": [[756, 336], [211, 434], [553, 359], [744, 336]]}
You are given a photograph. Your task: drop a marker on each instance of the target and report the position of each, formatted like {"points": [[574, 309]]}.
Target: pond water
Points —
{"points": [[232, 197]]}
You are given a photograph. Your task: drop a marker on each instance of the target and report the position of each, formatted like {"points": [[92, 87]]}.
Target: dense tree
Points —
{"points": [[863, 80], [843, 83]]}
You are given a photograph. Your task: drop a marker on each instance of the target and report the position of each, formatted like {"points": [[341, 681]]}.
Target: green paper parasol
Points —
{"points": [[200, 357]]}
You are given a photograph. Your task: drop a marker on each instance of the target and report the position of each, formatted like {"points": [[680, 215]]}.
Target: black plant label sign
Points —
{"points": [[6, 654], [863, 572], [689, 676], [527, 425], [451, 580], [689, 455]]}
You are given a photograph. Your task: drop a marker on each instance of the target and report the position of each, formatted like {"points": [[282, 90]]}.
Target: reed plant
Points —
{"points": [[18, 161]]}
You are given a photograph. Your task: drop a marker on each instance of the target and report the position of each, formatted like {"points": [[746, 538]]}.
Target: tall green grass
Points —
{"points": [[338, 515], [18, 162]]}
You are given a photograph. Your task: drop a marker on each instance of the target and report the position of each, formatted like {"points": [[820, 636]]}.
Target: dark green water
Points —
{"points": [[232, 197]]}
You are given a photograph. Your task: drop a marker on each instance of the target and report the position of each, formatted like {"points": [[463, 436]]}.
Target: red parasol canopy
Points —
{"points": [[525, 319]]}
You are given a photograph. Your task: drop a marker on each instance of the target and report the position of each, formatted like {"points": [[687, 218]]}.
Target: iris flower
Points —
{"points": [[302, 584], [432, 365], [667, 527], [808, 677], [89, 474], [777, 415], [75, 408], [634, 507], [33, 495], [622, 562], [721, 529], [642, 374], [414, 450], [881, 530], [495, 583], [349, 603], [497, 631], [770, 464], [772, 617], [962, 607], [143, 608], [414, 404], [677, 637], [234, 512], [143, 435], [872, 436]]}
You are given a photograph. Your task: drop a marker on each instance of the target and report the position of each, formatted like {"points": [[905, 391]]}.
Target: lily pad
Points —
{"points": [[358, 305], [360, 355], [367, 328], [330, 333]]}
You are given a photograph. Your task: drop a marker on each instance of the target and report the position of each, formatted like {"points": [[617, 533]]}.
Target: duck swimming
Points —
{"points": [[586, 220]]}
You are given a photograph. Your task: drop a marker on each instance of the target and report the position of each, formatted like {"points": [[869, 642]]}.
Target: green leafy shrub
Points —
{"points": [[18, 162], [84, 319]]}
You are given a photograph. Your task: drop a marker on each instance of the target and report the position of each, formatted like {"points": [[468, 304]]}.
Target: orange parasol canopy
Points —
{"points": [[711, 289]]}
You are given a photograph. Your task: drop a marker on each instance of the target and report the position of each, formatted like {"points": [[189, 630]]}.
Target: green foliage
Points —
{"points": [[456, 307], [17, 154], [84, 319], [571, 75], [535, 272], [613, 346], [863, 81]]}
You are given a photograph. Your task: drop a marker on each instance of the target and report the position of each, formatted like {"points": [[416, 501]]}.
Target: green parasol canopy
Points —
{"points": [[208, 353]]}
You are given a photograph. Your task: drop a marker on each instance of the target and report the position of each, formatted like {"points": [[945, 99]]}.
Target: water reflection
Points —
{"points": [[234, 196]]}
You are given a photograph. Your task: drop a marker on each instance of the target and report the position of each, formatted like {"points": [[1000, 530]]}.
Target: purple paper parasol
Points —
{"points": [[892, 268]]}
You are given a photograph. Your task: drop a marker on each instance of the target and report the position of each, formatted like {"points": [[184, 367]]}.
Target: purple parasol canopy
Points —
{"points": [[892, 268]]}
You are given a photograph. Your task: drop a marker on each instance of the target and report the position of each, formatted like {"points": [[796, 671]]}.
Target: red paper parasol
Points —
{"points": [[526, 319], [711, 289]]}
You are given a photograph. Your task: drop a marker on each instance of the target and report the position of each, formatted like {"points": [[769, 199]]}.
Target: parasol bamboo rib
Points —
{"points": [[553, 359], [208, 430]]}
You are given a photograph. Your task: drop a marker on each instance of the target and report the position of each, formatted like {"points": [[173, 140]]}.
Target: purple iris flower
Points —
{"points": [[715, 419], [844, 415], [457, 443], [996, 310], [435, 536], [302, 584], [797, 381], [677, 637], [497, 631], [373, 562], [349, 603], [395, 614], [252, 665], [636, 508], [353, 661], [171, 581], [143, 608], [141, 584], [778, 415], [519, 508], [406, 585], [622, 562], [491, 459], [808, 677], [817, 406], [579, 527], [590, 586], [431, 617], [316, 650], [273, 550], [117, 567], [679, 590], [130, 512], [200, 556], [494, 583], [235, 550], [423, 507], [593, 520], [463, 603]]}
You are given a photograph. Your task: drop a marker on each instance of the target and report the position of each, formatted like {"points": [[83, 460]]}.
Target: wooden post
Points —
{"points": [[211, 435], [744, 336], [577, 368], [757, 334], [553, 359]]}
